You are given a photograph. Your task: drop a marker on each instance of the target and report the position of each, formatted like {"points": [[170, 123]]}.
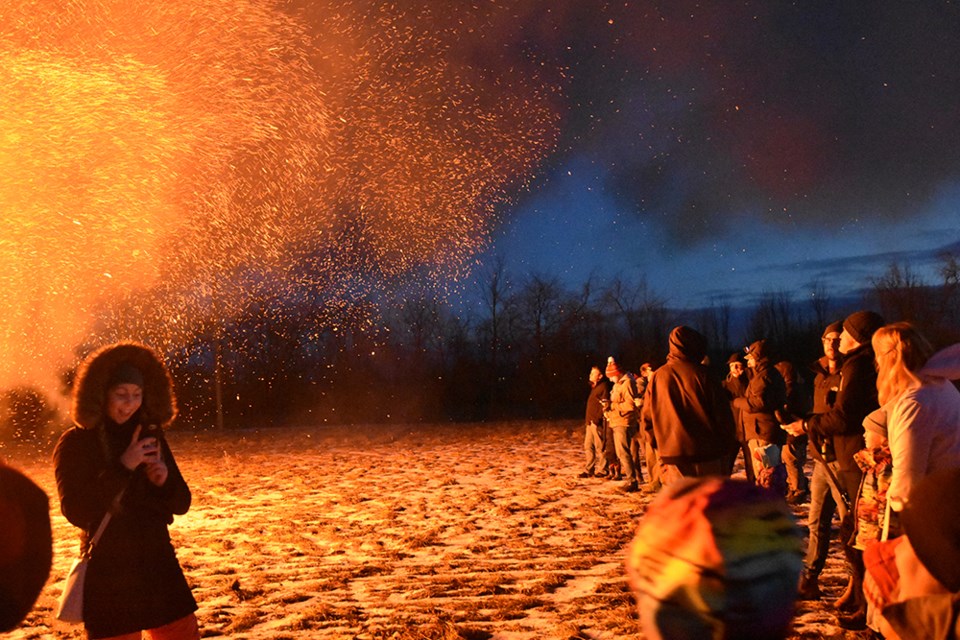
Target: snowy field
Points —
{"points": [[441, 532]]}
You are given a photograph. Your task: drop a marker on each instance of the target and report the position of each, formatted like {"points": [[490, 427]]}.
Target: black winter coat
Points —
{"points": [[600, 391], [134, 580], [826, 386], [857, 397]]}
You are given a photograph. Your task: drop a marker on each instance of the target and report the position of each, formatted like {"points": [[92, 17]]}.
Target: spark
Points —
{"points": [[171, 167]]}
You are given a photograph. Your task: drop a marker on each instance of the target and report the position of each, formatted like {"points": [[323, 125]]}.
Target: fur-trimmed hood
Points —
{"points": [[90, 386]]}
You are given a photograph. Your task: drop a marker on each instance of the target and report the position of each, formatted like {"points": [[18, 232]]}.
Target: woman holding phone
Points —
{"points": [[116, 459]]}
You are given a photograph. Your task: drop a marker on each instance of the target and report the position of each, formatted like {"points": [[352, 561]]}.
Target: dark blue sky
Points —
{"points": [[725, 150], [575, 229]]}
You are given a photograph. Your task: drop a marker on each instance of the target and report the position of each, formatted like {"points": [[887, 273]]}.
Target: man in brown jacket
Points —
{"points": [[687, 411]]}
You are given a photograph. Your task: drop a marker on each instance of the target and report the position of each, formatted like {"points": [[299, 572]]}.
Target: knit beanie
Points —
{"points": [[862, 324], [716, 558], [613, 369], [734, 357], [125, 373], [833, 327], [931, 520], [876, 422]]}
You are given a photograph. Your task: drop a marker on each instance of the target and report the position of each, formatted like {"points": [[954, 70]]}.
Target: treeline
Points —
{"points": [[521, 351]]}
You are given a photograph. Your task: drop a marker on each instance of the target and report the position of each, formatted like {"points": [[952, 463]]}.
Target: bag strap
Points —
{"points": [[114, 505]]}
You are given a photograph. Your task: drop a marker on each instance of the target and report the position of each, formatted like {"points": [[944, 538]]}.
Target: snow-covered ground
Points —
{"points": [[430, 532]]}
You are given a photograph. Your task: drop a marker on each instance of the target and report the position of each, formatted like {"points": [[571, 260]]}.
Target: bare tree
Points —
{"points": [[773, 317], [820, 304], [714, 323], [643, 312], [538, 309], [901, 294], [494, 289]]}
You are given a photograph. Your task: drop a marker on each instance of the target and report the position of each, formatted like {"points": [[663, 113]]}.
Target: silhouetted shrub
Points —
{"points": [[25, 415]]}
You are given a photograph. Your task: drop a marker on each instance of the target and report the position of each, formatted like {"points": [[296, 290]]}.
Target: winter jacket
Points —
{"points": [[736, 387], [765, 394], [685, 408], [856, 398], [871, 504], [134, 580], [623, 405], [923, 425], [599, 391], [826, 386]]}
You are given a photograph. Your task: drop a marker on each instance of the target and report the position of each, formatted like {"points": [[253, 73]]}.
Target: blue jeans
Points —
{"points": [[621, 440], [823, 503], [593, 450], [794, 455]]}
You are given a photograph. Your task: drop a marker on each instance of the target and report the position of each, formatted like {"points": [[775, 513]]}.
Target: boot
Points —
{"points": [[846, 603], [854, 621], [809, 588], [630, 487]]}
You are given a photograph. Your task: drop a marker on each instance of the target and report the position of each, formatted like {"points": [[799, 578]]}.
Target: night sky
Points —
{"points": [[721, 150], [222, 158]]}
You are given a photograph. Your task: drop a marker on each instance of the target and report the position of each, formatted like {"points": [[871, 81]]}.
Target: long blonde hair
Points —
{"points": [[901, 351]]}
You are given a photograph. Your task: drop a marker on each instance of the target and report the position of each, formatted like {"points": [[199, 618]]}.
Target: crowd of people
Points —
{"points": [[881, 423], [713, 556]]}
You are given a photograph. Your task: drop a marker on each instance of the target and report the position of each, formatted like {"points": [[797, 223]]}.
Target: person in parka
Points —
{"points": [[766, 393], [134, 581], [687, 411]]}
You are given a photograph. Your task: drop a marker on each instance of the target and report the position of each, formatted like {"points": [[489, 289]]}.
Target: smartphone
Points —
{"points": [[152, 431]]}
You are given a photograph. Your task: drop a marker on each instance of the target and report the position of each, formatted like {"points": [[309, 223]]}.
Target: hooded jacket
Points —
{"points": [[685, 407], [134, 580], [26, 545]]}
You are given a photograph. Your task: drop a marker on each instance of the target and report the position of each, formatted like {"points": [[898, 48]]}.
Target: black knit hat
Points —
{"points": [[125, 373], [931, 520], [862, 324]]}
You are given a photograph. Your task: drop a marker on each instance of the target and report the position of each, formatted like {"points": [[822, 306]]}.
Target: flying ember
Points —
{"points": [[168, 166]]}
